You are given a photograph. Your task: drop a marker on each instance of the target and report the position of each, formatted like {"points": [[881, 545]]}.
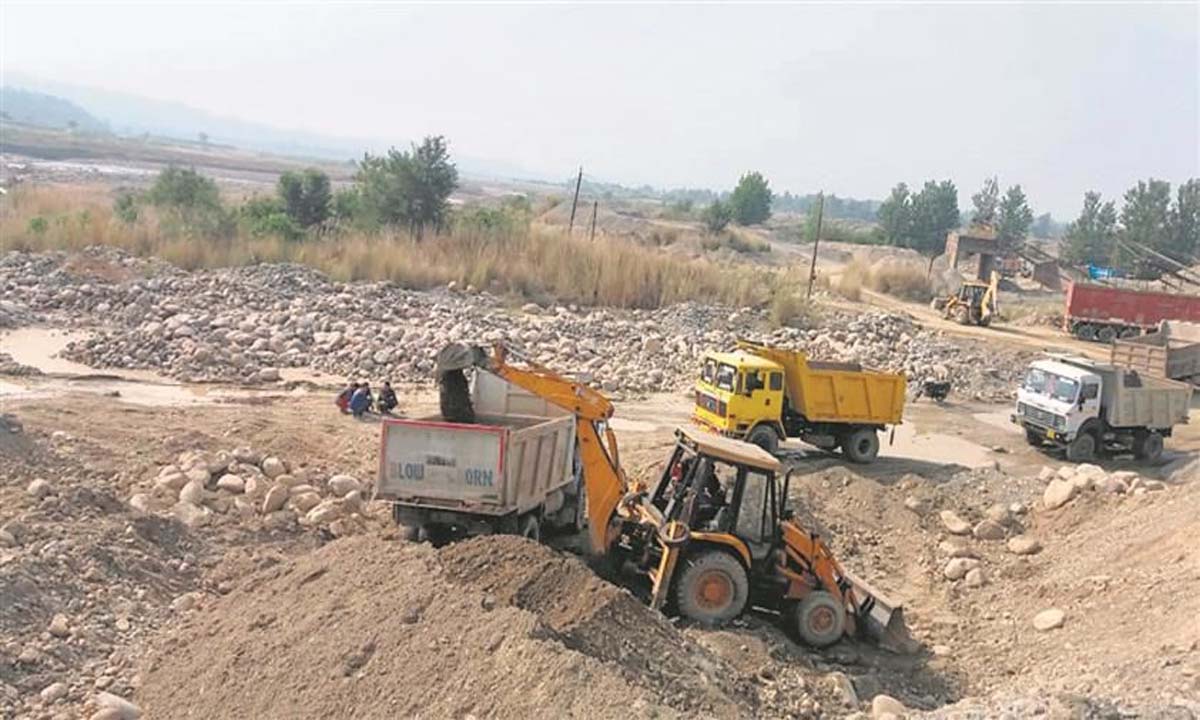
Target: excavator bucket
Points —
{"points": [[880, 618]]}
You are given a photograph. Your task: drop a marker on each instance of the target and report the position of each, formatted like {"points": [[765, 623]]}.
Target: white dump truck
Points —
{"points": [[1090, 408], [513, 469]]}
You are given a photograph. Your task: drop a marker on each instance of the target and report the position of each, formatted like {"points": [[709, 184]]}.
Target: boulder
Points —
{"points": [[886, 705], [988, 530], [170, 480], [247, 455], [1024, 545], [54, 692], [1058, 493], [192, 493], [975, 577], [140, 502], [59, 626], [1049, 619], [191, 515], [957, 547], [954, 524], [39, 489], [275, 499], [273, 467], [305, 501], [326, 511], [342, 485], [957, 568], [232, 484], [117, 707]]}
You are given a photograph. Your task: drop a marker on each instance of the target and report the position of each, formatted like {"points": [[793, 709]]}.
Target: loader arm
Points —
{"points": [[990, 297], [603, 479]]}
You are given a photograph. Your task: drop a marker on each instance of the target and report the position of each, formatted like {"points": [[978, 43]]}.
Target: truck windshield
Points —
{"points": [[726, 377], [1051, 385], [708, 373]]}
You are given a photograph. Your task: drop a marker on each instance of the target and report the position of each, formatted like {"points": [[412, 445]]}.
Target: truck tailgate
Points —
{"points": [[452, 463]]}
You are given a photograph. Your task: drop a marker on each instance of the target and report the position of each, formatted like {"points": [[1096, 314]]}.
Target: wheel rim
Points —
{"points": [[863, 446], [714, 590], [821, 620]]}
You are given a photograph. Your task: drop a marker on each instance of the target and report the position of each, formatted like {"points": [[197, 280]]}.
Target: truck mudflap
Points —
{"points": [[880, 619]]}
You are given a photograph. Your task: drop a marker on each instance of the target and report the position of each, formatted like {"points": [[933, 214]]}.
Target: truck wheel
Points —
{"points": [[962, 315], [1148, 447], [861, 446], [764, 437], [1082, 448], [411, 533], [1106, 334], [1034, 437], [531, 528], [1086, 332], [713, 588], [820, 619], [1129, 332]]}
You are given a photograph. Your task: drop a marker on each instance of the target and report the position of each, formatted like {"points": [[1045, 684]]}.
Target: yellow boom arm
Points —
{"points": [[603, 479]]}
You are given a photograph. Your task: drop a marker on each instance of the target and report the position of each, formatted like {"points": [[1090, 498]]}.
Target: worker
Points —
{"points": [[360, 401], [710, 498], [387, 398], [343, 398]]}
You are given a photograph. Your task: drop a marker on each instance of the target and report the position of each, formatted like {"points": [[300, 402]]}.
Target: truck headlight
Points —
{"points": [[1060, 422]]}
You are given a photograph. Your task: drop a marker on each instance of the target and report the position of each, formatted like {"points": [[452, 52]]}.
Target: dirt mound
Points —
{"points": [[496, 627]]}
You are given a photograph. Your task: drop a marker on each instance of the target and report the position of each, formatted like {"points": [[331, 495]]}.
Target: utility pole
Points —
{"points": [[575, 202], [595, 206], [812, 271]]}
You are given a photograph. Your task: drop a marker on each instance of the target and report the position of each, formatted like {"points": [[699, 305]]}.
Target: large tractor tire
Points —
{"points": [[1082, 448], [765, 437], [712, 588], [1148, 447], [820, 619], [454, 396], [961, 314], [861, 446]]}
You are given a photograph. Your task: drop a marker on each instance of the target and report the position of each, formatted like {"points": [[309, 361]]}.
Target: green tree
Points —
{"points": [[125, 207], [408, 188], [1015, 217], [1146, 215], [934, 213], [267, 216], [986, 202], [751, 200], [716, 216], [189, 202], [1091, 238], [1185, 221], [306, 196], [895, 215]]}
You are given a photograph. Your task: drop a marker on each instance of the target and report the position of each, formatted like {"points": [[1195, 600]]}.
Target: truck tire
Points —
{"points": [[531, 528], [1130, 332], [765, 437], [1082, 448], [1106, 334], [410, 533], [1085, 332], [820, 619], [861, 446], [1148, 447], [1034, 437], [712, 588]]}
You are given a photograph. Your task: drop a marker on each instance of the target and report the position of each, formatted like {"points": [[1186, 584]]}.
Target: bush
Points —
{"points": [[268, 217], [409, 189], [305, 196], [125, 208], [849, 284], [904, 280], [38, 225], [190, 203], [788, 308], [751, 200], [747, 244], [716, 216]]}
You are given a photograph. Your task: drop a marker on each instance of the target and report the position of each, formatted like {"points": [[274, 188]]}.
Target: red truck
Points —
{"points": [[1103, 313]]}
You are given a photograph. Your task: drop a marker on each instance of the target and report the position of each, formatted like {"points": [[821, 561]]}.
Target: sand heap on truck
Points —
{"points": [[495, 627]]}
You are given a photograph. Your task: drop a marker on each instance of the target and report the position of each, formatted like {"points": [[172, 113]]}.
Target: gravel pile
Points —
{"points": [[245, 324]]}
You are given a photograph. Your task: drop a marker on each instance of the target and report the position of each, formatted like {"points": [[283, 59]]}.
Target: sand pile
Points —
{"points": [[495, 627]]}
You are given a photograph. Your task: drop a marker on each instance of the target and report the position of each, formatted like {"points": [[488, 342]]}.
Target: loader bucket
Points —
{"points": [[880, 618]]}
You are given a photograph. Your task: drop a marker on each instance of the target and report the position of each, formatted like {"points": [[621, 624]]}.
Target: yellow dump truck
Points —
{"points": [[763, 394]]}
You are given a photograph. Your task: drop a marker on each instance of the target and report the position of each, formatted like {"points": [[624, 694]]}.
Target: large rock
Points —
{"points": [[54, 692], [988, 530], [118, 708], [1049, 619], [170, 480], [232, 484], [1058, 493], [275, 499], [273, 467], [957, 568], [954, 524], [883, 705], [1024, 545], [192, 493], [191, 515], [342, 485], [326, 511], [305, 501], [39, 489], [60, 626]]}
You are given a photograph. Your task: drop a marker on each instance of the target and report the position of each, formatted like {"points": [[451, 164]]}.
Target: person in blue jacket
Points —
{"points": [[360, 401]]}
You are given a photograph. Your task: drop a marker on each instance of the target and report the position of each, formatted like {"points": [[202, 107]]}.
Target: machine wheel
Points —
{"points": [[764, 437], [861, 446], [1033, 437], [410, 533], [1082, 448], [712, 588], [1148, 447], [1129, 332], [984, 321], [531, 528], [1106, 334], [820, 619], [1086, 332], [961, 314]]}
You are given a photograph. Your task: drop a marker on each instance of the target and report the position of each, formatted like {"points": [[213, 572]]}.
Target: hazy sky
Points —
{"points": [[852, 99]]}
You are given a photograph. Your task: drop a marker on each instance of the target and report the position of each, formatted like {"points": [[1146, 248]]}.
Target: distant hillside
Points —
{"points": [[34, 108]]}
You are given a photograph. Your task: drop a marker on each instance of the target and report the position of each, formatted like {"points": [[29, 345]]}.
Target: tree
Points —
{"points": [[1091, 238], [716, 216], [306, 196], [934, 213], [1185, 222], [1015, 217], [1145, 216], [986, 202], [751, 200], [895, 215], [190, 201], [1043, 226], [268, 217], [408, 188]]}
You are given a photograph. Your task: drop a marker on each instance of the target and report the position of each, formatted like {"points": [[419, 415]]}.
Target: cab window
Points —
{"points": [[726, 377], [776, 381], [1090, 391], [709, 371], [753, 515]]}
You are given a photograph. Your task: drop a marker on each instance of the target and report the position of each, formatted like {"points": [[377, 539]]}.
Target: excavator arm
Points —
{"points": [[604, 481]]}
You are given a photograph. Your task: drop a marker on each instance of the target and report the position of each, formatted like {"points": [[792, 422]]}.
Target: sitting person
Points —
{"points": [[360, 401], [387, 398], [343, 398]]}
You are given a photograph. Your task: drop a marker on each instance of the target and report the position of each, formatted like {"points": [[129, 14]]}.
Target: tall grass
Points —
{"points": [[901, 279], [538, 263]]}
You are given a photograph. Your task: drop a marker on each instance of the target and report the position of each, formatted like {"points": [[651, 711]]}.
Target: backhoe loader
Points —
{"points": [[974, 303], [714, 535]]}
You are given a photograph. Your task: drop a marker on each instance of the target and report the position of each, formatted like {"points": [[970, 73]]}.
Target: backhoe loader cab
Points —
{"points": [[725, 540], [974, 303]]}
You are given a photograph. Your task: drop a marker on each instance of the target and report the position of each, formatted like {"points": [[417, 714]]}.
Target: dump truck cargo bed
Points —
{"points": [[1173, 352]]}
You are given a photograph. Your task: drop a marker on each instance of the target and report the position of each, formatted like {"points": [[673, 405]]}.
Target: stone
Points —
{"points": [[353, 502], [193, 516], [170, 479], [54, 692], [184, 602], [290, 480], [988, 530], [296, 490], [342, 485], [246, 455], [39, 489], [886, 705], [273, 467], [999, 514], [275, 499], [918, 506], [7, 539], [1024, 545], [140, 502], [957, 568], [1048, 620], [118, 707], [1066, 472], [954, 524], [1089, 470], [975, 577], [232, 484], [1057, 494], [192, 493], [59, 626], [305, 502], [198, 474], [843, 688], [957, 547], [1047, 474], [324, 512]]}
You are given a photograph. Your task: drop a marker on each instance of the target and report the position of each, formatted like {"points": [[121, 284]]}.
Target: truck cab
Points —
{"points": [[737, 391], [1055, 400]]}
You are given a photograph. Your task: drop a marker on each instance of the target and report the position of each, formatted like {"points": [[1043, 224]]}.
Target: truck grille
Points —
{"points": [[1038, 415]]}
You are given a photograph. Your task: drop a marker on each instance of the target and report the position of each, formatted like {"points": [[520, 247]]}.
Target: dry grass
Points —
{"points": [[538, 263], [849, 284], [898, 278]]}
